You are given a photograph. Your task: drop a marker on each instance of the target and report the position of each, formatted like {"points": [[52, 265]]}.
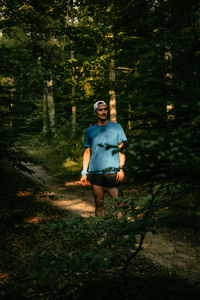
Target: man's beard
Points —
{"points": [[103, 116]]}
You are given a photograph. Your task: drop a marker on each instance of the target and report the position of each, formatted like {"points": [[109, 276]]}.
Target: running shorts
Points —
{"points": [[107, 180]]}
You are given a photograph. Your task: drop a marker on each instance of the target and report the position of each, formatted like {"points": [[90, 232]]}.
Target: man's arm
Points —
{"points": [[122, 158], [86, 161]]}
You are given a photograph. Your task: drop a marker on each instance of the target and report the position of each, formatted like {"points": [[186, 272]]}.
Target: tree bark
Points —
{"points": [[73, 120], [45, 113], [73, 89], [51, 106], [129, 116], [113, 110], [48, 109]]}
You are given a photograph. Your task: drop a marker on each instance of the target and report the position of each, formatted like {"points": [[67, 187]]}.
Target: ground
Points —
{"points": [[176, 250]]}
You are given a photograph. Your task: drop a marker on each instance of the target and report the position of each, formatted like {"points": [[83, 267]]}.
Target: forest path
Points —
{"points": [[69, 195], [178, 251]]}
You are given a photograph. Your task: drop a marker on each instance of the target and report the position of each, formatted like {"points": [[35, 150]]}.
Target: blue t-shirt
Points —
{"points": [[104, 141]]}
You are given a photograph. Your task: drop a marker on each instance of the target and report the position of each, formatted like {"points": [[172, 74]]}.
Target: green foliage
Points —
{"points": [[157, 64], [70, 257], [155, 46], [61, 155], [168, 163]]}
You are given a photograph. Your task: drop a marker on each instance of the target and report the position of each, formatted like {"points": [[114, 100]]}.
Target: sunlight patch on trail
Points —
{"points": [[67, 195], [73, 183], [76, 206]]}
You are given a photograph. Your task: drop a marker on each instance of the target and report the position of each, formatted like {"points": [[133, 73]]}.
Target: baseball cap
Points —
{"points": [[98, 103]]}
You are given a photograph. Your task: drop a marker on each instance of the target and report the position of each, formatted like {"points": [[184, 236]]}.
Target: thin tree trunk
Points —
{"points": [[51, 106], [12, 97], [45, 113], [129, 116], [169, 106], [48, 109], [73, 120], [73, 89], [113, 110]]}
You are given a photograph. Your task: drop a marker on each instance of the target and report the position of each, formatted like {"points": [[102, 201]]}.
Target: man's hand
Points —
{"points": [[83, 180], [120, 176]]}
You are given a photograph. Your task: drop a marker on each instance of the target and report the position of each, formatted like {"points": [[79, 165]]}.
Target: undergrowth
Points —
{"points": [[62, 156], [48, 254]]}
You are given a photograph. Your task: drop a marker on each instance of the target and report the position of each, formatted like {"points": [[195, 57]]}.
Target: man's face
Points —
{"points": [[102, 112]]}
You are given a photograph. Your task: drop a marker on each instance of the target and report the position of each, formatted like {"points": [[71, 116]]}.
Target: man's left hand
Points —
{"points": [[120, 176]]}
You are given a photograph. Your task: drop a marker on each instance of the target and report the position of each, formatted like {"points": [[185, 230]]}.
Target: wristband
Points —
{"points": [[84, 172]]}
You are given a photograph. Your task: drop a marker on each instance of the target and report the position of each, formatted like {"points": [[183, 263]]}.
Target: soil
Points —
{"points": [[178, 251]]}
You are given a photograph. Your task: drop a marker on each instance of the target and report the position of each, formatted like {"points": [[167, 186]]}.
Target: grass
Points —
{"points": [[62, 159]]}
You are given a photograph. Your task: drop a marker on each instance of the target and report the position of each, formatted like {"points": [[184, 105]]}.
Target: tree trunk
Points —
{"points": [[73, 120], [169, 106], [113, 110], [12, 97], [45, 113], [129, 117], [73, 89], [48, 109], [51, 106]]}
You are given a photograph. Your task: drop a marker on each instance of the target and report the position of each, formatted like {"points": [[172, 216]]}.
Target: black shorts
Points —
{"points": [[107, 180]]}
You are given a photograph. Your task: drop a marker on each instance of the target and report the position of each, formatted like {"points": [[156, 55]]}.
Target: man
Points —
{"points": [[102, 162]]}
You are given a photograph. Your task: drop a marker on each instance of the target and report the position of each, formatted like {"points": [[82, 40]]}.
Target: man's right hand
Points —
{"points": [[83, 180]]}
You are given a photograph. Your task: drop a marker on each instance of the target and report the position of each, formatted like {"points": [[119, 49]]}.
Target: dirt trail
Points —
{"points": [[69, 195], [178, 253]]}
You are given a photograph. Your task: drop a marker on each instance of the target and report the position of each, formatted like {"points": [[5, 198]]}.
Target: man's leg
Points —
{"points": [[99, 201], [114, 192]]}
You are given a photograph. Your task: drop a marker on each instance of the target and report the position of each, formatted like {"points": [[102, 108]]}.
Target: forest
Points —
{"points": [[58, 58]]}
